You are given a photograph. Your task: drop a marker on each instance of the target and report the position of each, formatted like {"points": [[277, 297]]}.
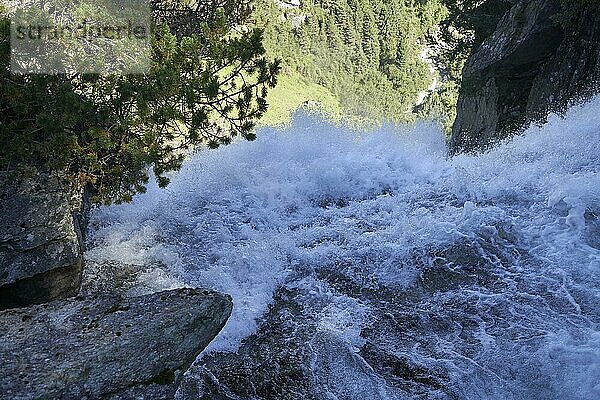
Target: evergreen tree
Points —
{"points": [[366, 52], [203, 87]]}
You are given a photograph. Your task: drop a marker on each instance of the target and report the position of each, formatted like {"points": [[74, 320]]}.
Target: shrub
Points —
{"points": [[203, 88]]}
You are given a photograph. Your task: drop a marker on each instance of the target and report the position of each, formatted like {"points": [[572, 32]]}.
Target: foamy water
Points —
{"points": [[245, 219]]}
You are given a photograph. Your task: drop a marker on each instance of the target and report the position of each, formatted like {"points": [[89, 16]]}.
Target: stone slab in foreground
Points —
{"points": [[87, 348]]}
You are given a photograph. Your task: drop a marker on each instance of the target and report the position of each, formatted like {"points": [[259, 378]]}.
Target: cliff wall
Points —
{"points": [[542, 57]]}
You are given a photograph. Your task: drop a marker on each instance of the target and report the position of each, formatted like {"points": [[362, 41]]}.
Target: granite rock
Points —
{"points": [[96, 347]]}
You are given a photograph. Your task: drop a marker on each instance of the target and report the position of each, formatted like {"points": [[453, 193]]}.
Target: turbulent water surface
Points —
{"points": [[375, 267]]}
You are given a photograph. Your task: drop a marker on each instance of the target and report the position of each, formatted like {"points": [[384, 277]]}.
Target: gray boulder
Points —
{"points": [[40, 239], [93, 348]]}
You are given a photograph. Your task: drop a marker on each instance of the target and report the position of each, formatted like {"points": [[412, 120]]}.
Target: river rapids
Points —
{"points": [[373, 266]]}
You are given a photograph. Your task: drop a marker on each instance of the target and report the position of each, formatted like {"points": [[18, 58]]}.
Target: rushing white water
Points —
{"points": [[246, 218]]}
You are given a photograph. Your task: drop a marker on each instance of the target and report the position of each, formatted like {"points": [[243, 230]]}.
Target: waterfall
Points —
{"points": [[380, 267]]}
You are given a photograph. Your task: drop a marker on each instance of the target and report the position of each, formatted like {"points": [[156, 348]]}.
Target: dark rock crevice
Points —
{"points": [[58, 283]]}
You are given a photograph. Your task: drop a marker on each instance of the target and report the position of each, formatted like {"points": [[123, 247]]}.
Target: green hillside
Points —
{"points": [[356, 59]]}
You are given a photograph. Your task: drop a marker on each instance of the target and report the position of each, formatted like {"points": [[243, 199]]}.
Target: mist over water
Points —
{"points": [[494, 259]]}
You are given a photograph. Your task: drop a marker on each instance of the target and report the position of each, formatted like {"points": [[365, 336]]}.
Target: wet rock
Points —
{"points": [[541, 58], [339, 332], [499, 74], [271, 364], [152, 391], [90, 348], [40, 239]]}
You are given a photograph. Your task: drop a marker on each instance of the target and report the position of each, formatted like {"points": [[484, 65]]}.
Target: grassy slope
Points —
{"points": [[292, 93]]}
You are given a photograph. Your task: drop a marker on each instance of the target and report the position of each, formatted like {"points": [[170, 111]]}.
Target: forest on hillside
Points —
{"points": [[356, 58], [368, 61]]}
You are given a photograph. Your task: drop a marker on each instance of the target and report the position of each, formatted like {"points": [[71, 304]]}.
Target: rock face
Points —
{"points": [[87, 349], [40, 239], [539, 59], [574, 71]]}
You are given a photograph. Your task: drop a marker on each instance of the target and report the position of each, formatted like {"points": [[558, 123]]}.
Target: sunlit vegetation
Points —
{"points": [[207, 83], [365, 54]]}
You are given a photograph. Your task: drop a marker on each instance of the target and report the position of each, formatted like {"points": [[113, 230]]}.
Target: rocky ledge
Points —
{"points": [[41, 239], [96, 347]]}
